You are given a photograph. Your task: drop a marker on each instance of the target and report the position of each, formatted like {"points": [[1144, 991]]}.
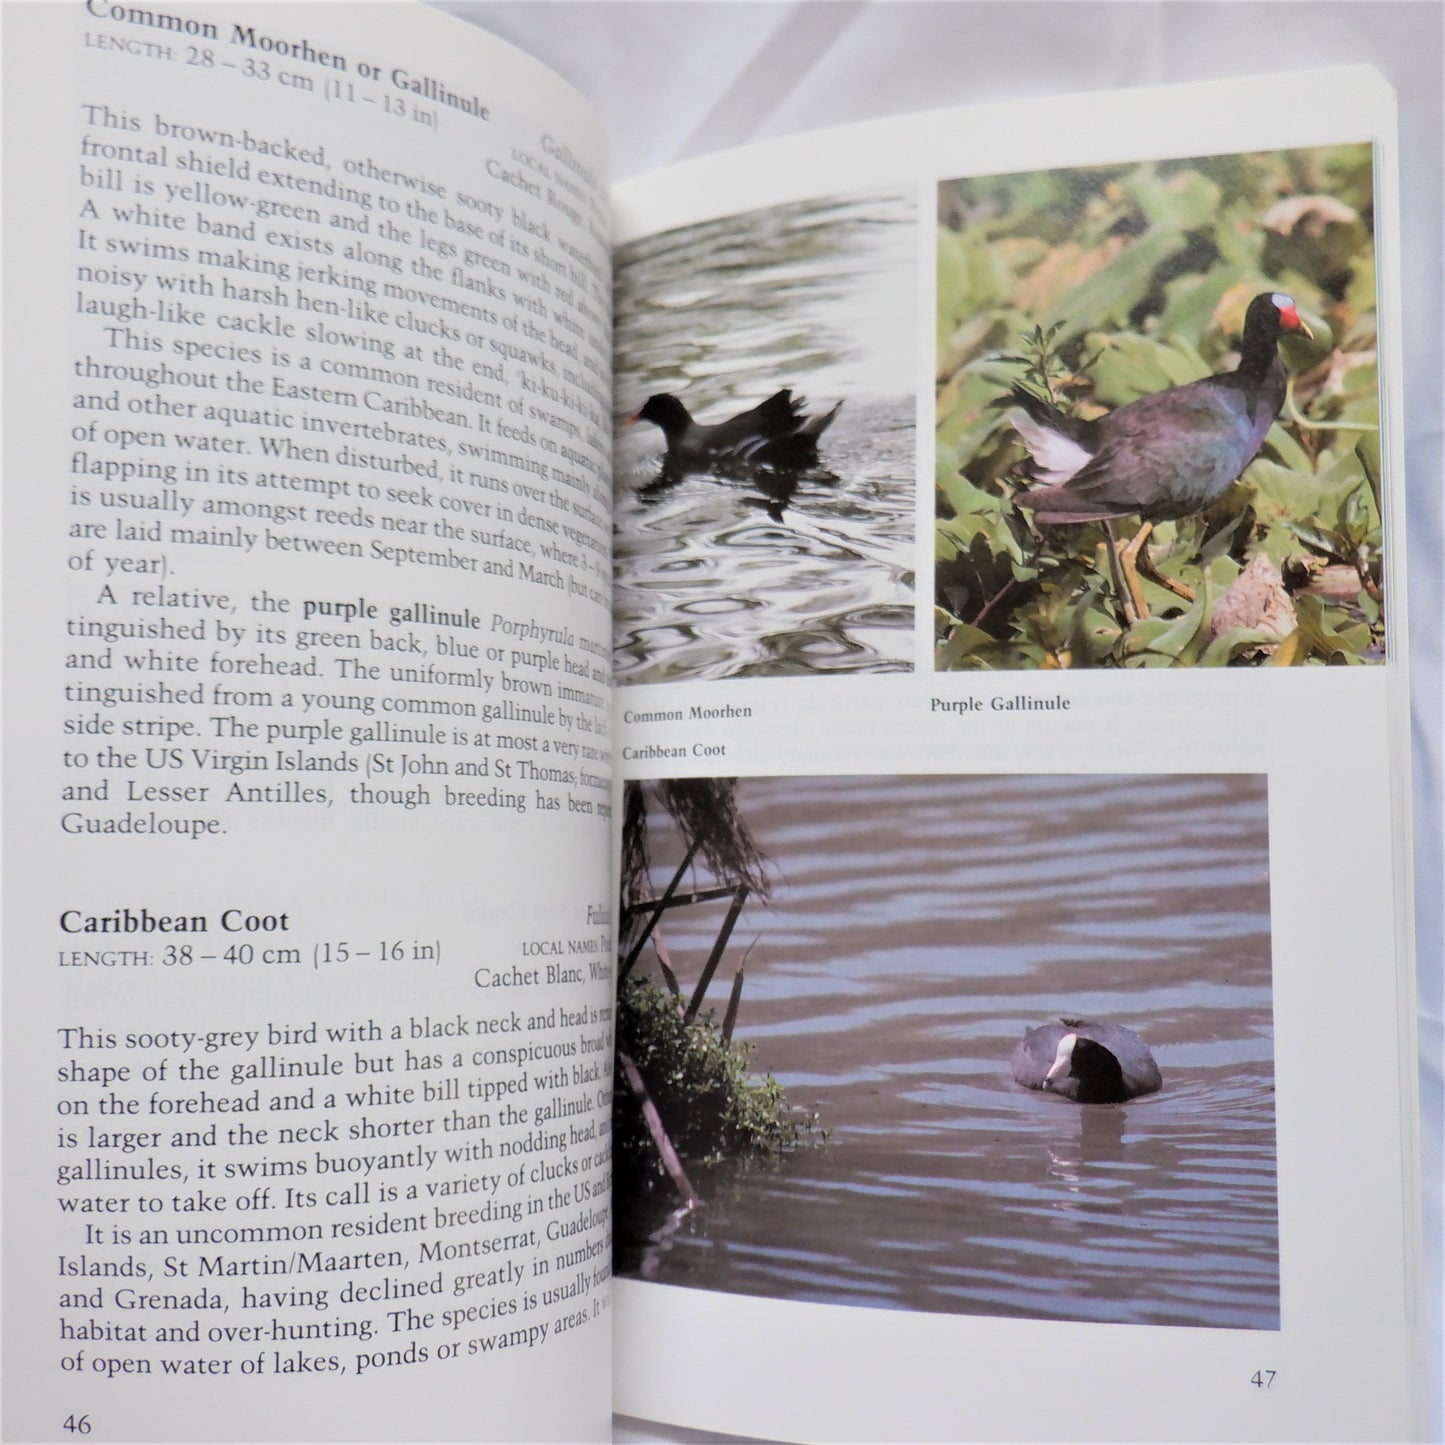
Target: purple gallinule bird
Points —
{"points": [[1088, 1062], [774, 434], [1166, 455]]}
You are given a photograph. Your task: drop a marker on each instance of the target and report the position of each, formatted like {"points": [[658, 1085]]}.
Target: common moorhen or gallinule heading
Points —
{"points": [[1088, 1062], [1167, 455], [775, 433]]}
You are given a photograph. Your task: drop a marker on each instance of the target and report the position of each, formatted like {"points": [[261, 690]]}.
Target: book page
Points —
{"points": [[1044, 854], [308, 930]]}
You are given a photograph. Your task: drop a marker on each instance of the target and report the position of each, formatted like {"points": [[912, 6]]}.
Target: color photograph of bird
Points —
{"points": [[1169, 454], [775, 435], [1086, 1061], [991, 1044], [1157, 416], [756, 534]]}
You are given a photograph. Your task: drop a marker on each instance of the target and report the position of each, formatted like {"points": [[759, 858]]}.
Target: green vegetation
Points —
{"points": [[1098, 286], [712, 1106]]}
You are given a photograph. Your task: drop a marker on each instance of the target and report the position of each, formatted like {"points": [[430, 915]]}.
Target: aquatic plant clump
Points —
{"points": [[711, 1104]]}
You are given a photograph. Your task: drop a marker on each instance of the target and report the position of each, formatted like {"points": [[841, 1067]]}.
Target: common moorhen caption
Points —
{"points": [[1088, 1062], [775, 433]]}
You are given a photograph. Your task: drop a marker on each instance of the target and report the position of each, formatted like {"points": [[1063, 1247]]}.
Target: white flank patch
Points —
{"points": [[1056, 457]]}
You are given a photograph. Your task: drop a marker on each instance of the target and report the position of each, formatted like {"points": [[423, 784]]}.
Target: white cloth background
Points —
{"points": [[678, 78]]}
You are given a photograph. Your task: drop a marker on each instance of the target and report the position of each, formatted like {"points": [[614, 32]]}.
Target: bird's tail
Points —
{"points": [[1058, 445], [815, 426]]}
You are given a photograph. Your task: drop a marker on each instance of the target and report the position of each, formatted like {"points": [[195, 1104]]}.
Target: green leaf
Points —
{"points": [[1282, 492], [1144, 633], [1240, 240], [970, 415], [1190, 304], [1340, 472], [1228, 645], [975, 335], [1367, 449], [1290, 453], [1326, 543], [1112, 292], [970, 276], [1353, 516], [1186, 199], [969, 500], [1333, 643], [961, 531], [1293, 651], [1360, 293], [1182, 638], [962, 643], [1131, 366]]}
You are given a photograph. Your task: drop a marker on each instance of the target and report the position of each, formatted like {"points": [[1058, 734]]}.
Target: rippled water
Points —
{"points": [[766, 576], [917, 927]]}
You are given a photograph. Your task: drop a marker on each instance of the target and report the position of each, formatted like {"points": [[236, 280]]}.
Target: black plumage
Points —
{"points": [[775, 434], [1169, 454], [1086, 1061]]}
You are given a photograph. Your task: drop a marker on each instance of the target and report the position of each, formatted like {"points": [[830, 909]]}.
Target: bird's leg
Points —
{"points": [[1136, 559], [1128, 561], [1126, 601]]}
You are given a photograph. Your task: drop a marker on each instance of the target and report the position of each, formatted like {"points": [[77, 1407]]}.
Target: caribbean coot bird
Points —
{"points": [[1169, 454], [776, 433], [1091, 1063]]}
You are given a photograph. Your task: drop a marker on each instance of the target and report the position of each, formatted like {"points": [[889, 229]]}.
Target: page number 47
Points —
{"points": [[1262, 1379]]}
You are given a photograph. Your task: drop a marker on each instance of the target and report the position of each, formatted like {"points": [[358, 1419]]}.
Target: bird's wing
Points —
{"points": [[1141, 1073], [1166, 455], [738, 435], [777, 416]]}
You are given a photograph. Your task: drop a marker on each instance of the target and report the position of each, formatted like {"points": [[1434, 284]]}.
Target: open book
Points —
{"points": [[971, 981]]}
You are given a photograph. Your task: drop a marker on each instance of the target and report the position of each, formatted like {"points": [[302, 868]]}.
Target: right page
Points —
{"points": [[1015, 1011]]}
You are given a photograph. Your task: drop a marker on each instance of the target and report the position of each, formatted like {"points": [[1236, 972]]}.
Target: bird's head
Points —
{"points": [[1063, 1059], [1275, 313], [1086, 1071], [663, 410]]}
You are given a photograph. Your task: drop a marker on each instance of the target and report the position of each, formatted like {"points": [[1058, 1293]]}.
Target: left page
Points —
{"points": [[307, 1014]]}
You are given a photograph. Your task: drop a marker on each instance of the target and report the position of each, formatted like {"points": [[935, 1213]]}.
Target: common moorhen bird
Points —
{"points": [[1166, 455], [774, 434], [1088, 1062]]}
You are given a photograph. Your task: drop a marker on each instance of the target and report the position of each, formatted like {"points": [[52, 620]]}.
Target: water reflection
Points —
{"points": [[769, 490], [819, 297], [919, 926]]}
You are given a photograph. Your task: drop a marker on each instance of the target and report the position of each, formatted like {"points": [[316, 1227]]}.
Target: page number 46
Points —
{"points": [[77, 1426], [1262, 1379]]}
